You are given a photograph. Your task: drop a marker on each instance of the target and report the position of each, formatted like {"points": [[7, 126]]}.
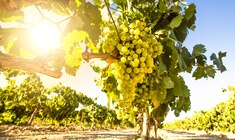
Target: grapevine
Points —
{"points": [[142, 42]]}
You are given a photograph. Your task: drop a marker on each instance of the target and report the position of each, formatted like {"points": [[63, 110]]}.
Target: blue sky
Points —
{"points": [[215, 29]]}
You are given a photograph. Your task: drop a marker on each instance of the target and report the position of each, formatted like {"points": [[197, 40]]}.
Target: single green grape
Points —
{"points": [[137, 32], [123, 59]]}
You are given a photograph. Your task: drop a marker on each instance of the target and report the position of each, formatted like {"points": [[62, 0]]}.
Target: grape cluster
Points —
{"points": [[144, 91], [137, 49]]}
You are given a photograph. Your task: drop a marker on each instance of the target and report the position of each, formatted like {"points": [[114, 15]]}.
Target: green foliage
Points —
{"points": [[87, 17], [20, 101], [219, 118], [176, 21], [58, 105], [198, 50]]}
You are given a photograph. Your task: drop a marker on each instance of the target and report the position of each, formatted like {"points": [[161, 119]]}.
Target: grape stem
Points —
{"points": [[106, 4]]}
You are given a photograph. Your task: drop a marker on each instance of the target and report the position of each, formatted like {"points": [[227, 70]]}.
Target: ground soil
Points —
{"points": [[12, 132]]}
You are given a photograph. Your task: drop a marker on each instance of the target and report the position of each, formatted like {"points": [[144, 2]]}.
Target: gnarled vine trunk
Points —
{"points": [[145, 128], [155, 127], [33, 115]]}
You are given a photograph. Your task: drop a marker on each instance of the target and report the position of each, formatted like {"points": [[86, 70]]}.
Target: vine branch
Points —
{"points": [[106, 4], [40, 63], [13, 62]]}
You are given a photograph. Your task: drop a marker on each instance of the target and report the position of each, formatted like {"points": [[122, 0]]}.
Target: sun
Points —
{"points": [[46, 35]]}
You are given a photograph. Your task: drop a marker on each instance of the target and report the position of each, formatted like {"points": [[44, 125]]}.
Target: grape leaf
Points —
{"points": [[180, 89], [190, 11], [111, 83], [218, 61], [176, 8], [158, 95], [161, 5], [162, 67], [177, 90], [199, 73], [204, 72], [176, 21], [168, 82], [169, 95], [180, 33], [198, 49], [185, 60], [88, 18], [170, 56]]}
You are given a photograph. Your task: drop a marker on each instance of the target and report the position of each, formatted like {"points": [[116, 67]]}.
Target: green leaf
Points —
{"points": [[198, 49], [110, 83], [210, 71], [190, 11], [218, 61], [180, 88], [170, 57], [167, 82], [222, 54], [191, 23], [185, 60], [162, 67], [158, 94], [161, 6], [87, 17], [180, 33], [176, 9], [177, 90], [199, 73], [204, 72], [169, 95], [176, 21]]}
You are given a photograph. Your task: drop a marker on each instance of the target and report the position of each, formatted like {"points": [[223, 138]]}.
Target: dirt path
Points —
{"points": [[85, 135], [194, 135], [75, 133]]}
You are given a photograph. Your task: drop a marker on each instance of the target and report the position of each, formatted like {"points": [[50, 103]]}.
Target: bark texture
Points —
{"points": [[32, 65], [33, 115], [145, 131], [40, 63]]}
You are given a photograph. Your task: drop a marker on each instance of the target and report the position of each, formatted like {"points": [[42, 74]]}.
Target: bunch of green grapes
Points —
{"points": [[137, 49], [144, 90]]}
